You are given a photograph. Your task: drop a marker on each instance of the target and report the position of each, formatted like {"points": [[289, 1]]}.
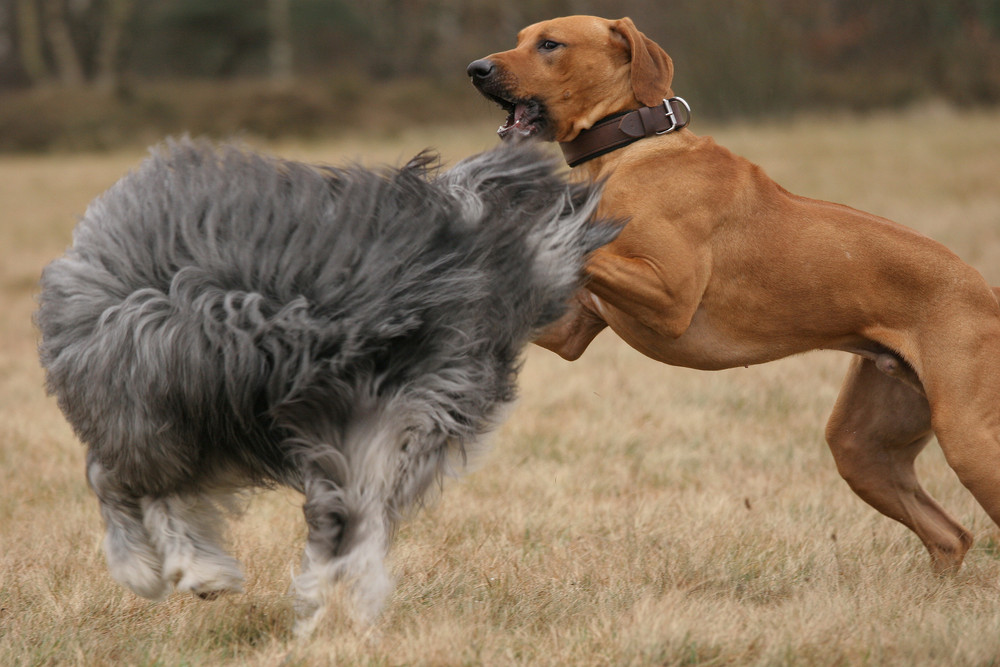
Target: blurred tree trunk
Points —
{"points": [[386, 19], [29, 37], [280, 47], [57, 29], [107, 63]]}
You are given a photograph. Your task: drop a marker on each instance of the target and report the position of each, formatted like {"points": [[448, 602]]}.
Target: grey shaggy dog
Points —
{"points": [[227, 320]]}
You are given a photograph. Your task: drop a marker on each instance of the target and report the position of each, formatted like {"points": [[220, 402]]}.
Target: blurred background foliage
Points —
{"points": [[101, 73]]}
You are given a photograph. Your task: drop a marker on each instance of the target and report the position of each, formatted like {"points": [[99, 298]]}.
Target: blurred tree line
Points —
{"points": [[732, 57]]}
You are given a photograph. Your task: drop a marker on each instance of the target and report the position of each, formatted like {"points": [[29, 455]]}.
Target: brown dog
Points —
{"points": [[721, 267]]}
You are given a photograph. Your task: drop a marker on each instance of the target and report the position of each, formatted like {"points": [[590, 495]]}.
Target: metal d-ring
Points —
{"points": [[673, 118]]}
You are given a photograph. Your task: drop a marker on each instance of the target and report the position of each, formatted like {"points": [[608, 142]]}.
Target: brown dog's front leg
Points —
{"points": [[634, 286], [570, 335]]}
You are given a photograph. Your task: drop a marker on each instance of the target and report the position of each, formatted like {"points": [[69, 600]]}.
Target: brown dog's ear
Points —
{"points": [[652, 69]]}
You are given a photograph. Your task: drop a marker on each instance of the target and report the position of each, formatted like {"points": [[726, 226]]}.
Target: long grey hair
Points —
{"points": [[227, 320]]}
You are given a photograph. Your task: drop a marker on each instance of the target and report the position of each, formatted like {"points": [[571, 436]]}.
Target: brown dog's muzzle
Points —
{"points": [[525, 117]]}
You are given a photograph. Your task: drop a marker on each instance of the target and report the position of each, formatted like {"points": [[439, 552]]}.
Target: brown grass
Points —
{"points": [[630, 513]]}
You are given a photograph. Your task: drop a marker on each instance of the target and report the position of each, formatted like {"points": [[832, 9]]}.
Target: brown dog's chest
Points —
{"points": [[735, 270]]}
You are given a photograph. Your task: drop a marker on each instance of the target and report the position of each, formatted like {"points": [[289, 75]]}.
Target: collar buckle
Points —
{"points": [[671, 114]]}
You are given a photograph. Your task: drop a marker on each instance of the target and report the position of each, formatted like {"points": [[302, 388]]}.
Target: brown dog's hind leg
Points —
{"points": [[962, 380], [878, 427]]}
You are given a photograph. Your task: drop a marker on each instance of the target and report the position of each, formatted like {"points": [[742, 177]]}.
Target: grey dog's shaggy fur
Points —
{"points": [[225, 320]]}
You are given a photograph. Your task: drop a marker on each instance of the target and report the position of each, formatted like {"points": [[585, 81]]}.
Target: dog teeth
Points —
{"points": [[520, 121]]}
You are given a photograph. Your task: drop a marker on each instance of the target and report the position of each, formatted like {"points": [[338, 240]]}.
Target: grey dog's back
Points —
{"points": [[216, 302]]}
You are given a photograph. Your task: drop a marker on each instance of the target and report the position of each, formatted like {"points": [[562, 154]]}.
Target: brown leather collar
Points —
{"points": [[622, 129]]}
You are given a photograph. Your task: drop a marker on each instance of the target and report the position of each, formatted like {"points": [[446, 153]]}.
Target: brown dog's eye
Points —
{"points": [[548, 45]]}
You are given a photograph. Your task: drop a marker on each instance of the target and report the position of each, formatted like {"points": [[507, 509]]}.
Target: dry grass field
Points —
{"points": [[628, 514]]}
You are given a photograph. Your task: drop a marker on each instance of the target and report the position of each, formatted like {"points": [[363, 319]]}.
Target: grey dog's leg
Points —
{"points": [[187, 530], [353, 497], [348, 492], [348, 540], [132, 558]]}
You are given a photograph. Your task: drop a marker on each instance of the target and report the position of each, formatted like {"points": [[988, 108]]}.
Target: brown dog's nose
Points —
{"points": [[480, 69]]}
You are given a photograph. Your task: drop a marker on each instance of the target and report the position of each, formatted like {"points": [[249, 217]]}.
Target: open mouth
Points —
{"points": [[525, 118]]}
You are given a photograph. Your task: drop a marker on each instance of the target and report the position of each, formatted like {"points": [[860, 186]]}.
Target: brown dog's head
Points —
{"points": [[566, 74]]}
